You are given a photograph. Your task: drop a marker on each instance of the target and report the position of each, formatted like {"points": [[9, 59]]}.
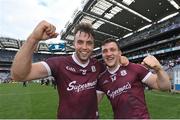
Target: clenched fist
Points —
{"points": [[43, 31], [151, 62]]}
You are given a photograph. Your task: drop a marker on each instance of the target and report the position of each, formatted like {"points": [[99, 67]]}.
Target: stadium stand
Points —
{"points": [[8, 50]]}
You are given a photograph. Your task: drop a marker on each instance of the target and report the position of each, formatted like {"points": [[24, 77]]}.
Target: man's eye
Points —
{"points": [[80, 42], [104, 51], [113, 49], [90, 43]]}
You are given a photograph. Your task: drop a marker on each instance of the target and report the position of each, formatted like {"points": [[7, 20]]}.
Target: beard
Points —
{"points": [[82, 57]]}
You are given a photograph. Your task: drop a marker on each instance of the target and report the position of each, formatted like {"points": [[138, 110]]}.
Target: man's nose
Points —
{"points": [[84, 46], [108, 53]]}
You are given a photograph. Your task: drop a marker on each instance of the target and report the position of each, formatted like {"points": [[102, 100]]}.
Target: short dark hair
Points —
{"points": [[109, 40], [84, 27]]}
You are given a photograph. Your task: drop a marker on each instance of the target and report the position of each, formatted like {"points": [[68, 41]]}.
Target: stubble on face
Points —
{"points": [[84, 45]]}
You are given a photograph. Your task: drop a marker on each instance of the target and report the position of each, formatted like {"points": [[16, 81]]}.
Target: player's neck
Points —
{"points": [[114, 69], [79, 62]]}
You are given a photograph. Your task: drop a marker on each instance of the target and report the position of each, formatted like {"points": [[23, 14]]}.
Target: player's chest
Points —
{"points": [[78, 73], [121, 78], [77, 70]]}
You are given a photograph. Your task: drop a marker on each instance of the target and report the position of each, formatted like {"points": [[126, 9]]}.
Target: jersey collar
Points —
{"points": [[77, 62], [113, 71]]}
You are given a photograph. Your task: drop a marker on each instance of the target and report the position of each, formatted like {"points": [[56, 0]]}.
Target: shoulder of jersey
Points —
{"points": [[140, 65], [103, 73], [94, 60]]}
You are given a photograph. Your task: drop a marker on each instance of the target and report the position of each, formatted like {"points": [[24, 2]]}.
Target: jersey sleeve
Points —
{"points": [[47, 68], [99, 87], [143, 72], [53, 63]]}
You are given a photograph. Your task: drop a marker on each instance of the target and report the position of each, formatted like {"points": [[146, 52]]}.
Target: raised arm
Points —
{"points": [[159, 80], [22, 67]]}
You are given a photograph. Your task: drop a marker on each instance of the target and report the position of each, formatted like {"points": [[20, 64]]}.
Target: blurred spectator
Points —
{"points": [[24, 84]]}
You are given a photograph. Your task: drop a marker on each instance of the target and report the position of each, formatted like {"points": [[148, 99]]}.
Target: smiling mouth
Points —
{"points": [[109, 59], [84, 53]]}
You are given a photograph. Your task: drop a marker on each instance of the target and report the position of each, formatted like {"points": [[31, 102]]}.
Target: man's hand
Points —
{"points": [[43, 31], [151, 62], [124, 61]]}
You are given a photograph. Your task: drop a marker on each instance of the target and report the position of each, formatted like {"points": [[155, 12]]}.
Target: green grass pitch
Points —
{"points": [[40, 102]]}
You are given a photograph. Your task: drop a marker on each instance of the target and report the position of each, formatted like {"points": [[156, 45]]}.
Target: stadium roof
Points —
{"points": [[119, 18], [110, 18]]}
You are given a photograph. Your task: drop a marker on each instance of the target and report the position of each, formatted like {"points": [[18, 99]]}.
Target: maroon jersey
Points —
{"points": [[125, 90], [76, 85]]}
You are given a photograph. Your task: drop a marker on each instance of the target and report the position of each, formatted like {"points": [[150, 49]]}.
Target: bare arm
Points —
{"points": [[160, 80], [100, 96], [22, 67]]}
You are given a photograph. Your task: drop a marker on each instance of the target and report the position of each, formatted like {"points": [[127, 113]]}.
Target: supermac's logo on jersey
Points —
{"points": [[118, 91], [80, 87], [70, 69]]}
